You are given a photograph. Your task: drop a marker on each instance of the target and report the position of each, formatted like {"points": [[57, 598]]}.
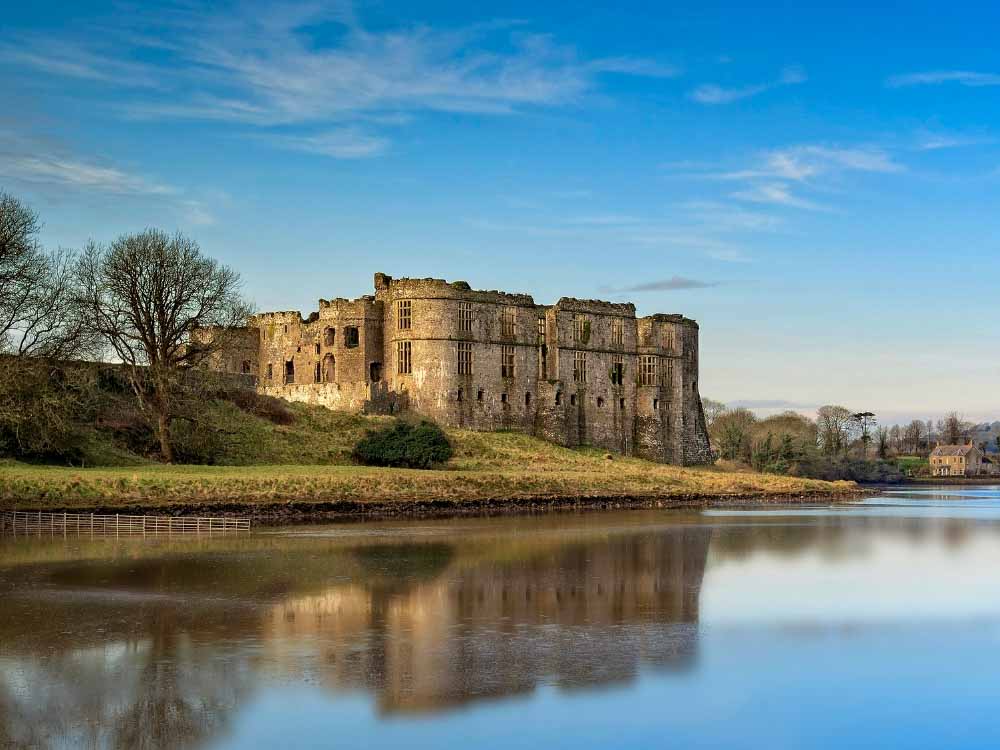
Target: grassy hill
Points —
{"points": [[304, 467], [271, 457]]}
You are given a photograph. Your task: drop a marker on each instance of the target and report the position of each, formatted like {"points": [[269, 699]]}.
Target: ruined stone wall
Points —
{"points": [[571, 373]]}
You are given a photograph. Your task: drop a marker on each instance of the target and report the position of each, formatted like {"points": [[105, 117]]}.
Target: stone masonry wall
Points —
{"points": [[571, 372]]}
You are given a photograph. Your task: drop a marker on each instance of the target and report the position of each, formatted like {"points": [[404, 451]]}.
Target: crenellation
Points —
{"points": [[578, 372]]}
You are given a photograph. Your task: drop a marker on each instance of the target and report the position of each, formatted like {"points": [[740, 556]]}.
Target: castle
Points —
{"points": [[579, 372]]}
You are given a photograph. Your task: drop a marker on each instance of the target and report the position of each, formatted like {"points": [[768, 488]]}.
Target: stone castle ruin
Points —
{"points": [[579, 372]]}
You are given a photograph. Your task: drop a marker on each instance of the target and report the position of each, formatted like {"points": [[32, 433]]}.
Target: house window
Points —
{"points": [[617, 370], [503, 398], [558, 398], [290, 371], [459, 399], [527, 399], [600, 402], [581, 329], [465, 317], [507, 322], [403, 314], [617, 332], [541, 331], [330, 368], [316, 373], [480, 395], [464, 358], [375, 371], [580, 367], [621, 403], [656, 404], [648, 369], [404, 361], [572, 399], [506, 361], [245, 367], [352, 338], [270, 371], [329, 336]]}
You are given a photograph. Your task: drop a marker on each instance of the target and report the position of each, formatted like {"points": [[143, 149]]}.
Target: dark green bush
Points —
{"points": [[419, 446]]}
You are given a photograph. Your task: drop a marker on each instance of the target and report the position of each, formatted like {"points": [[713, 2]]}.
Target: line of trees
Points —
{"points": [[136, 300]]}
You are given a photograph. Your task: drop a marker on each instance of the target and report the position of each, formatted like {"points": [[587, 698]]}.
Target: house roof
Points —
{"points": [[952, 450]]}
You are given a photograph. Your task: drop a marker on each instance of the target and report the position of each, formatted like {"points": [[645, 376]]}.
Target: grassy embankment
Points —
{"points": [[304, 467]]}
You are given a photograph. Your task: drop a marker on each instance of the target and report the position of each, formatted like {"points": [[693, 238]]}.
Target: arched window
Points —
{"points": [[329, 369], [329, 336]]}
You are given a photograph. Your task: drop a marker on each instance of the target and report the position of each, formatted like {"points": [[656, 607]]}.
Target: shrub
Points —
{"points": [[418, 446]]}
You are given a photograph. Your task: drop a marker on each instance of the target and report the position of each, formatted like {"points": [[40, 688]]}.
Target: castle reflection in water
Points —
{"points": [[138, 646]]}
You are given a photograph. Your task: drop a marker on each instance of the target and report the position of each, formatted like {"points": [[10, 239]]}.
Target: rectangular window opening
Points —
{"points": [[404, 361], [403, 314]]}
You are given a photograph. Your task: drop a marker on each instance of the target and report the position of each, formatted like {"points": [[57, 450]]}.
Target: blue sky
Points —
{"points": [[818, 187]]}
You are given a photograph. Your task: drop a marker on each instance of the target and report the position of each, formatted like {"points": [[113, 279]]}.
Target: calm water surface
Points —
{"points": [[874, 624]]}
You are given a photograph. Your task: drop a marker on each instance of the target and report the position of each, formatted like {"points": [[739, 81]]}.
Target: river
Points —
{"points": [[874, 623]]}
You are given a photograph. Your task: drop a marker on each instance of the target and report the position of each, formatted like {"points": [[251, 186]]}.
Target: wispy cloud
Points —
{"points": [[937, 77], [268, 67], [770, 179], [673, 284], [940, 141], [711, 93], [344, 143], [775, 193], [73, 173]]}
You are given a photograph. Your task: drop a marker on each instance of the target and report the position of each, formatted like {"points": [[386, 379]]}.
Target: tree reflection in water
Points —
{"points": [[146, 645]]}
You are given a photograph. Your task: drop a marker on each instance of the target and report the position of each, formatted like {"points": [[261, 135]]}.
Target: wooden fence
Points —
{"points": [[37, 523]]}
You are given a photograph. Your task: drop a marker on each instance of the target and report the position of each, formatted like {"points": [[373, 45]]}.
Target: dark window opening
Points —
{"points": [[527, 399], [317, 348], [290, 371], [617, 373], [286, 329], [558, 398], [329, 337], [480, 395], [317, 374], [298, 348], [600, 401], [330, 368], [245, 367], [270, 371], [459, 395], [572, 399], [375, 371], [656, 403], [621, 403], [351, 337], [503, 398]]}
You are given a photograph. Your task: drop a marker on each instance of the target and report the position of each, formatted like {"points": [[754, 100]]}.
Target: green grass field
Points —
{"points": [[261, 464]]}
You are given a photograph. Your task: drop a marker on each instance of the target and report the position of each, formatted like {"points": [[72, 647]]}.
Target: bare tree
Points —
{"points": [[836, 425], [914, 434], [145, 294], [712, 410], [37, 317], [954, 430], [883, 441]]}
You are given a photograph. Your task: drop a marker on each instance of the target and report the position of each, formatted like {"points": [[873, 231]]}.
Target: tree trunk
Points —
{"points": [[163, 427]]}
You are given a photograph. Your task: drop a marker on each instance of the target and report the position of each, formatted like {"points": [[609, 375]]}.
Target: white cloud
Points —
{"points": [[936, 77], [265, 66], [711, 93], [345, 143], [69, 172], [803, 162], [775, 193]]}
